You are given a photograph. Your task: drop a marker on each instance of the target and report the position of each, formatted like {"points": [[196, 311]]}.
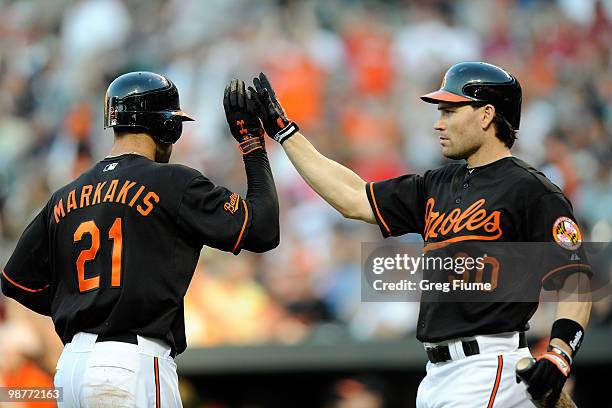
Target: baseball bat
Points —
{"points": [[524, 369]]}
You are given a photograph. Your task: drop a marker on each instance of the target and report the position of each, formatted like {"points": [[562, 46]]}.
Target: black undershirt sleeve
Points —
{"points": [[262, 201]]}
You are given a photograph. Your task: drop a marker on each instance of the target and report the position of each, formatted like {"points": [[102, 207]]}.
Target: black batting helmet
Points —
{"points": [[148, 101], [481, 82]]}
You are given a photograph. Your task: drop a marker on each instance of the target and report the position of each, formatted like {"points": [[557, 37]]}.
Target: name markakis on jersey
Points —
{"points": [[484, 272], [125, 192]]}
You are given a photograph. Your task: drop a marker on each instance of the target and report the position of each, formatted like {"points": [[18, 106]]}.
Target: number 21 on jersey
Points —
{"points": [[114, 234]]}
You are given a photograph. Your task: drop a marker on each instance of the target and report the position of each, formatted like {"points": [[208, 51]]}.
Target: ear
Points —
{"points": [[487, 115]]}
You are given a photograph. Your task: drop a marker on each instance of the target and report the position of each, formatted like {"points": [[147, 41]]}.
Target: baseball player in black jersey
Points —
{"points": [[111, 254], [473, 347]]}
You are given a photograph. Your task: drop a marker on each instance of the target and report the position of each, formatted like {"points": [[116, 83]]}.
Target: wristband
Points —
{"points": [[286, 132], [249, 145], [570, 332], [557, 360], [561, 352]]}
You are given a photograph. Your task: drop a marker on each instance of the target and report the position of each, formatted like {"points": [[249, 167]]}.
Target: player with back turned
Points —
{"points": [[111, 255], [473, 347]]}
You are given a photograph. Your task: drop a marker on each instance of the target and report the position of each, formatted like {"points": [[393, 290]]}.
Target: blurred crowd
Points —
{"points": [[349, 72]]}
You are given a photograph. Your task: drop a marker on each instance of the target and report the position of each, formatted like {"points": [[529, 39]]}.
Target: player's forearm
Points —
{"points": [[264, 233], [577, 311], [575, 304], [339, 186]]}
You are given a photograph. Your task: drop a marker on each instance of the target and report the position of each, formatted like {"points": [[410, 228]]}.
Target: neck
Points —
{"points": [[488, 155], [136, 143]]}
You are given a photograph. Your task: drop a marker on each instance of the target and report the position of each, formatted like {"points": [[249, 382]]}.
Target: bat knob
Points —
{"points": [[524, 369]]}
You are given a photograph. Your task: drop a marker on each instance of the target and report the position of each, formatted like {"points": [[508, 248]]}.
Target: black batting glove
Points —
{"points": [[549, 375], [272, 114], [240, 111]]}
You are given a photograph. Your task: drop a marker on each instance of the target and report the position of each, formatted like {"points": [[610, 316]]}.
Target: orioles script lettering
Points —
{"points": [[474, 218]]}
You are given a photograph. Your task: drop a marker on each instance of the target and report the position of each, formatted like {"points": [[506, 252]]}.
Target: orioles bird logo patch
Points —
{"points": [[566, 233]]}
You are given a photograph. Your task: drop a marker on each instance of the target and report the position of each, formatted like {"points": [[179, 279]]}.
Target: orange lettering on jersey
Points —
{"points": [[85, 193], [232, 205], [110, 193], [432, 219], [475, 219], [58, 211], [124, 190], [471, 219], [449, 222], [71, 203], [98, 193], [138, 193], [147, 201]]}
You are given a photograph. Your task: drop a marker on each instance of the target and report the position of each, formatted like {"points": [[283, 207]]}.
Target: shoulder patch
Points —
{"points": [[231, 205], [566, 233]]}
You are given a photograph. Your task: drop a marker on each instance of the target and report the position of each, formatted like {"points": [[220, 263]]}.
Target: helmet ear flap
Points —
{"points": [[172, 122], [173, 128]]}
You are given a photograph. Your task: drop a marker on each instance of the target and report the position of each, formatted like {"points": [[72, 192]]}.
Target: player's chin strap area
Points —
{"points": [[460, 348]]}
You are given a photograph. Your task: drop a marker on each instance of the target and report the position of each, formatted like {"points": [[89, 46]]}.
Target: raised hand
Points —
{"points": [[272, 114], [240, 111]]}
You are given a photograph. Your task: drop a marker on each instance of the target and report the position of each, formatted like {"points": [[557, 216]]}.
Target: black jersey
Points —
{"points": [[114, 251], [504, 201]]}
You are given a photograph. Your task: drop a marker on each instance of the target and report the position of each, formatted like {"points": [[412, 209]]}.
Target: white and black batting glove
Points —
{"points": [[270, 111]]}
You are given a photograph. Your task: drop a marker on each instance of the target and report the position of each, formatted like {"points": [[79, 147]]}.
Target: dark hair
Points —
{"points": [[503, 129]]}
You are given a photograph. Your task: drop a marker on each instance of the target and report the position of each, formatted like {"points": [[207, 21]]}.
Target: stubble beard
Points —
{"points": [[461, 154]]}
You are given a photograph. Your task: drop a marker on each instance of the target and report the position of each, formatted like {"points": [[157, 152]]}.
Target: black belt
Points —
{"points": [[442, 353], [125, 338]]}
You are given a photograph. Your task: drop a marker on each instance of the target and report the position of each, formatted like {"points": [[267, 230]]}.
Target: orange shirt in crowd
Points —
{"points": [[300, 86], [29, 375]]}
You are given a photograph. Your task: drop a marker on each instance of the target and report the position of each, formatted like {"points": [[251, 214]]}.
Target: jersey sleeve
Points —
{"points": [[214, 216], [26, 276], [398, 204], [552, 224]]}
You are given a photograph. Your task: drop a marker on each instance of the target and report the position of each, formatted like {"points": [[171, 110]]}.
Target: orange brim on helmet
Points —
{"points": [[183, 115], [444, 96]]}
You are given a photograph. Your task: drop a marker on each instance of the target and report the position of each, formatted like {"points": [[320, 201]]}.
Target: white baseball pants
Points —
{"points": [[116, 374], [486, 380]]}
